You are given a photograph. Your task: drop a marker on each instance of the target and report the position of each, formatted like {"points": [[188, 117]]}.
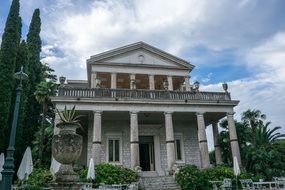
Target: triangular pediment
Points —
{"points": [[141, 56], [140, 53]]}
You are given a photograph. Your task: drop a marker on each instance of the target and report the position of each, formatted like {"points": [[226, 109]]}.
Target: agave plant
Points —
{"points": [[68, 116]]}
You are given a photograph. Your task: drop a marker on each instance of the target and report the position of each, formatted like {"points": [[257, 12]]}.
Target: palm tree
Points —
{"points": [[253, 118], [43, 92], [266, 136]]}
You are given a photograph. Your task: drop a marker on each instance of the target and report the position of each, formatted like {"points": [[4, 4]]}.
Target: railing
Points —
{"points": [[142, 94]]}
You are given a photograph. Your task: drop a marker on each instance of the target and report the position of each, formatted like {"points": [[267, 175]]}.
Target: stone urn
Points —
{"points": [[66, 149]]}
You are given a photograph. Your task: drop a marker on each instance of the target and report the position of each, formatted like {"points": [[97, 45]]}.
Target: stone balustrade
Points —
{"points": [[142, 94]]}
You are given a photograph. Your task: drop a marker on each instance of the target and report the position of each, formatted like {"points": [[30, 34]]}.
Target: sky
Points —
{"points": [[241, 42]]}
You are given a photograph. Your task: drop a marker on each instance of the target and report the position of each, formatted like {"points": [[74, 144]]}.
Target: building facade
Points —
{"points": [[140, 111]]}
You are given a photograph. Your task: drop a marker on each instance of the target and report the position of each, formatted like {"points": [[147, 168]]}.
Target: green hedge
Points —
{"points": [[192, 178], [110, 174], [38, 178], [219, 173]]}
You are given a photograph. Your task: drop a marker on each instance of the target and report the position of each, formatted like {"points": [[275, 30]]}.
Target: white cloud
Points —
{"points": [[208, 78], [265, 89], [79, 29], [84, 28]]}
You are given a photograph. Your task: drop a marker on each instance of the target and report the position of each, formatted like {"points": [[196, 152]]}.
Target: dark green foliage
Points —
{"points": [[8, 53], [22, 60], [191, 178], [265, 161], [261, 151], [38, 178], [110, 174], [212, 157], [32, 120], [218, 173], [243, 133], [43, 92], [49, 73], [46, 160]]}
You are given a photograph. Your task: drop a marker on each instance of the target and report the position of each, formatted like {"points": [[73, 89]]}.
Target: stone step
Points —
{"points": [[159, 183]]}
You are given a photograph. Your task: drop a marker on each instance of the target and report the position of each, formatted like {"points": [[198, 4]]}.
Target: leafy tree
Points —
{"points": [[43, 92], [32, 120], [266, 136], [48, 133], [49, 73], [8, 53], [261, 150], [22, 60], [253, 118], [243, 133]]}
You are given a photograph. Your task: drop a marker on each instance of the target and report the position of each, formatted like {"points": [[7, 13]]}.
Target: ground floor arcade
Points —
{"points": [[153, 141]]}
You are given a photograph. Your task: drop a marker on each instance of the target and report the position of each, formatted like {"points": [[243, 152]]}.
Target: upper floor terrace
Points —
{"points": [[139, 72]]}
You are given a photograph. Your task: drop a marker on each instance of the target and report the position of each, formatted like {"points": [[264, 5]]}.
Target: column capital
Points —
{"points": [[151, 75], [168, 113], [134, 112], [200, 113], [97, 112], [230, 113], [214, 122], [113, 73]]}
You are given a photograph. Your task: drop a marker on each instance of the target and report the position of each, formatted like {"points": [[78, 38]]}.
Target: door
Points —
{"points": [[146, 145]]}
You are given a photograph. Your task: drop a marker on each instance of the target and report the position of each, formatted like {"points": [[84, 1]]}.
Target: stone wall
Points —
{"points": [[122, 128]]}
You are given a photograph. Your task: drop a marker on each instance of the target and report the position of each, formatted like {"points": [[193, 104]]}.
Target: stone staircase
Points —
{"points": [[158, 183]]}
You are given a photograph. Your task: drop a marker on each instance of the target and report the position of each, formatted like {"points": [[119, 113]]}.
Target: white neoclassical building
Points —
{"points": [[141, 110]]}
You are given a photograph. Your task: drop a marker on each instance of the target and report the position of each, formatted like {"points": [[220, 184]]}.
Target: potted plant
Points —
{"points": [[67, 145]]}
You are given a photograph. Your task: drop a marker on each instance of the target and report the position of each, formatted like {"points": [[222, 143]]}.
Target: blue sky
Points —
{"points": [[240, 42]]}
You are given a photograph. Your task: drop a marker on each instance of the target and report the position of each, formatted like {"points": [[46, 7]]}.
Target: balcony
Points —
{"points": [[142, 94]]}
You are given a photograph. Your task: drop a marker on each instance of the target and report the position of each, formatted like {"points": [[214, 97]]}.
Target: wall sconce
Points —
{"points": [[196, 86], [165, 84], [98, 82]]}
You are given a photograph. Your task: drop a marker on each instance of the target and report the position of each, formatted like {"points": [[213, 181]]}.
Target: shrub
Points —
{"points": [[110, 174], [38, 178], [190, 177], [30, 187], [219, 173]]}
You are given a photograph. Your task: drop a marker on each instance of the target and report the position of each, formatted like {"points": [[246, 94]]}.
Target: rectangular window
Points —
{"points": [[179, 148], [114, 150]]}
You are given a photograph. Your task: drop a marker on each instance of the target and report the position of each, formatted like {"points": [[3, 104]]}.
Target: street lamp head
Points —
{"points": [[21, 75]]}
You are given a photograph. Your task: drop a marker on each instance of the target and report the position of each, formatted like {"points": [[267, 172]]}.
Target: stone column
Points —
{"points": [[134, 137], [96, 144], [204, 153], [233, 137], [151, 82], [93, 80], [169, 142], [218, 154], [113, 80], [170, 83], [132, 77], [187, 83]]}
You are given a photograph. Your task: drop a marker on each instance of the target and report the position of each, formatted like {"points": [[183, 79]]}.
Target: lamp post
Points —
{"points": [[7, 173]]}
